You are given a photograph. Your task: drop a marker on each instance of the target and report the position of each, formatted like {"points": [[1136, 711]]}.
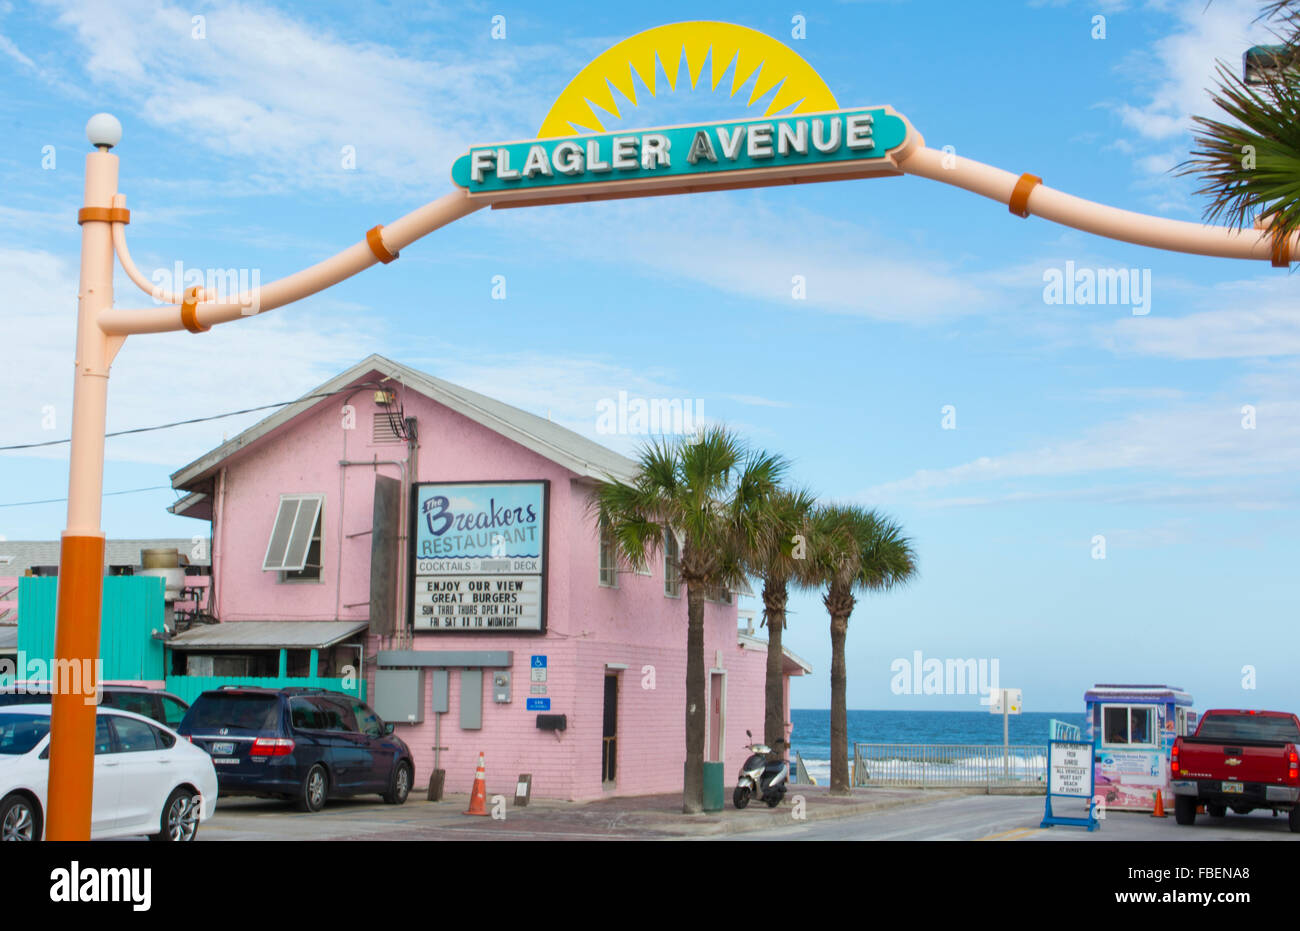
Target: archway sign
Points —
{"points": [[804, 136]]}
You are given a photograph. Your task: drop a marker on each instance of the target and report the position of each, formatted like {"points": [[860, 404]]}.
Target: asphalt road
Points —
{"points": [[973, 817], [1016, 818]]}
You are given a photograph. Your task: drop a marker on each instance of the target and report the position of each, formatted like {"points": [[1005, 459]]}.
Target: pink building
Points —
{"points": [[438, 543]]}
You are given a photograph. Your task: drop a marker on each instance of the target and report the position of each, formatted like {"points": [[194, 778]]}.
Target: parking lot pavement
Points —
{"points": [[870, 814], [630, 818]]}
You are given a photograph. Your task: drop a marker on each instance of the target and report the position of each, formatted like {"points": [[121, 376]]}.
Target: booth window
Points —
{"points": [[1128, 726], [672, 565], [294, 549], [608, 560]]}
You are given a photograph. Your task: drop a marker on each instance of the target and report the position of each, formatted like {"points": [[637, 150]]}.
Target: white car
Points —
{"points": [[148, 779]]}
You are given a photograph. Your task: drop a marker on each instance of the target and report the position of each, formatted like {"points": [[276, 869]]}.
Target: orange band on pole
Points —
{"points": [[106, 214], [1282, 250], [1019, 202], [375, 240], [190, 312], [72, 724]]}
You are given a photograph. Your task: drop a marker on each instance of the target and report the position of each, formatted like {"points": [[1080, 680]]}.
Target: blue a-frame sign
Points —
{"points": [[1070, 776]]}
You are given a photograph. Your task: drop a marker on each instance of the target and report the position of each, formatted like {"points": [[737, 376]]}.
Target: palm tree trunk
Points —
{"points": [[774, 601], [696, 701], [839, 709]]}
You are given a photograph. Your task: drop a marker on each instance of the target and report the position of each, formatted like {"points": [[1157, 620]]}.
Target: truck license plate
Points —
{"points": [[1232, 787]]}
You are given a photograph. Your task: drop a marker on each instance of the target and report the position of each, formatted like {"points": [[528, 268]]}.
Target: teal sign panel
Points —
{"points": [[861, 135]]}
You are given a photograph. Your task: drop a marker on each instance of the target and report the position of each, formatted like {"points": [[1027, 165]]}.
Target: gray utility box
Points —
{"points": [[399, 695]]}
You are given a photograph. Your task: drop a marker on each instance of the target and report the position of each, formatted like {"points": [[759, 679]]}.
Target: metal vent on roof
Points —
{"points": [[383, 429]]}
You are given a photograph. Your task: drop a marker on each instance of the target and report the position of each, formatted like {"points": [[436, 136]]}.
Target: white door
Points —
{"points": [[104, 814], [146, 773]]}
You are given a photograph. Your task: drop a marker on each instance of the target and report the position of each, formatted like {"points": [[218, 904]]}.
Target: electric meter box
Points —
{"points": [[501, 686], [399, 695]]}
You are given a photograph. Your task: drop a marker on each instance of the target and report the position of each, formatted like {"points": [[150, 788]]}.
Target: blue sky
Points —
{"points": [[1071, 421]]}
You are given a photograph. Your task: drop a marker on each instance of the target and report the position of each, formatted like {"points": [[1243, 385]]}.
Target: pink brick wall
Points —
{"points": [[587, 625]]}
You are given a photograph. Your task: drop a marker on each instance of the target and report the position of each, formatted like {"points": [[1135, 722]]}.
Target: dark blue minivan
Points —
{"points": [[307, 745]]}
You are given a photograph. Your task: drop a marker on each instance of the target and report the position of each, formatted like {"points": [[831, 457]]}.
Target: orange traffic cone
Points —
{"points": [[1160, 805], [478, 799]]}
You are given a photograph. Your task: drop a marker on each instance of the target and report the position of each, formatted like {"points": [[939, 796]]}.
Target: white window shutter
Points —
{"points": [[295, 524]]}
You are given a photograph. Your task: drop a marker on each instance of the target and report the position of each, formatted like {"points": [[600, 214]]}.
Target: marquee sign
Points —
{"points": [[828, 146], [478, 561]]}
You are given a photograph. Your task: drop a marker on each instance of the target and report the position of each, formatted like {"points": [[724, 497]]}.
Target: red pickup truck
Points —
{"points": [[1241, 760]]}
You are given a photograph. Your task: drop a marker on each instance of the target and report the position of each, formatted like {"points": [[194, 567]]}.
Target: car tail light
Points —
{"points": [[271, 746]]}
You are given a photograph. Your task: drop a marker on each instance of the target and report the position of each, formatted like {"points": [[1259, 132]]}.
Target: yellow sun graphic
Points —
{"points": [[750, 50]]}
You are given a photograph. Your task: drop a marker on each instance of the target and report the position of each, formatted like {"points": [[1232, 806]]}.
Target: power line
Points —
{"points": [[129, 491], [182, 423]]}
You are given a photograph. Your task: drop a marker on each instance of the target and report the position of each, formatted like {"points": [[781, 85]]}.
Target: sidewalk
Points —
{"points": [[661, 815], [641, 817]]}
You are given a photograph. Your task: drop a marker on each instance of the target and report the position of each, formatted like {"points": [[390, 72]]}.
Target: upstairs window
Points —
{"points": [[672, 565], [294, 549], [608, 558], [719, 594]]}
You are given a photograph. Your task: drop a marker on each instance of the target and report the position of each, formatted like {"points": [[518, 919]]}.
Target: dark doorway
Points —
{"points": [[609, 734]]}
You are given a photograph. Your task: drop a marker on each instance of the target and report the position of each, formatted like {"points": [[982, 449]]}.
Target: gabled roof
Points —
{"points": [[558, 444]]}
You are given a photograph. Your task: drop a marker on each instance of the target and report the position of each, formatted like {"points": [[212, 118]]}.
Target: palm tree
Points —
{"points": [[853, 549], [779, 557], [1250, 166], [710, 489]]}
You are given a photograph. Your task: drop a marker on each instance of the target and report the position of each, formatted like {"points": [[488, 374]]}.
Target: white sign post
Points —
{"points": [[1005, 702]]}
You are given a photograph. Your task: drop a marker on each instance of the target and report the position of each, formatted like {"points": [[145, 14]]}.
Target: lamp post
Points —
{"points": [[74, 677], [101, 330]]}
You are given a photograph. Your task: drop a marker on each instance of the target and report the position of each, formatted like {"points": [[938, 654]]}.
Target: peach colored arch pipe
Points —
{"points": [[993, 183], [1090, 217], [395, 236]]}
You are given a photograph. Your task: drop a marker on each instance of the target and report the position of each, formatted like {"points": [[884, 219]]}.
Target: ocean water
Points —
{"points": [[811, 732]]}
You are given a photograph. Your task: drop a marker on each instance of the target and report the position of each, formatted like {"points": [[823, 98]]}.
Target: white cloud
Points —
{"points": [[1182, 65], [1202, 442], [158, 378], [266, 86], [1264, 323], [566, 389], [8, 48], [743, 245]]}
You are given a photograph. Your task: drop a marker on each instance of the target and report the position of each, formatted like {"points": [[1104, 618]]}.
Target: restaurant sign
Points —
{"points": [[478, 560], [746, 153]]}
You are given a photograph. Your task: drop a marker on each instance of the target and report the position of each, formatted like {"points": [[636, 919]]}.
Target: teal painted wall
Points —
{"points": [[132, 611], [188, 688]]}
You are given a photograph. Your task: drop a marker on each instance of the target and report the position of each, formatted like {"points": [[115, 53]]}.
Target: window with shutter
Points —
{"points": [[294, 547]]}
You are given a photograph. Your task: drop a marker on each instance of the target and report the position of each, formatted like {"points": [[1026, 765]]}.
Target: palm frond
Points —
{"points": [[1250, 167]]}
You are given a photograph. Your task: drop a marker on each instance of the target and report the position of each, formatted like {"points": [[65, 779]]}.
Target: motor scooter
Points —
{"points": [[760, 776]]}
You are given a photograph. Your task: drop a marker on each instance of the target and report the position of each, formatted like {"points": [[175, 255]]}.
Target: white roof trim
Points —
{"points": [[746, 640], [564, 447], [184, 504]]}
